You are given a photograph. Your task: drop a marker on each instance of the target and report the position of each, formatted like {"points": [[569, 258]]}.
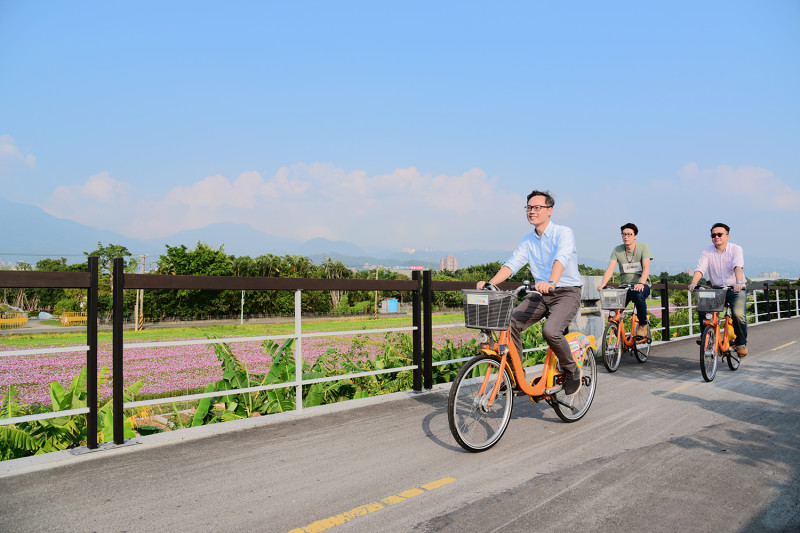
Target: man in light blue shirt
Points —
{"points": [[553, 258]]}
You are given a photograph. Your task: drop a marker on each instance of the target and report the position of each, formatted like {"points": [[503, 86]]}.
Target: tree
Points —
{"points": [[590, 271], [106, 255], [335, 270], [201, 261]]}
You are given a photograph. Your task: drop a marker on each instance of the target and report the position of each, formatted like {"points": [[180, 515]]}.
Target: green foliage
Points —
{"points": [[590, 271], [65, 306], [63, 432], [446, 298], [106, 255]]}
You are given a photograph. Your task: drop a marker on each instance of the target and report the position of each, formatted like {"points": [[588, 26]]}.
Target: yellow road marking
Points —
{"points": [[676, 389], [328, 523], [784, 346]]}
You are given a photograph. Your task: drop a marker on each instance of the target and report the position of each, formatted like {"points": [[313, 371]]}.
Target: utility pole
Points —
{"points": [[375, 312]]}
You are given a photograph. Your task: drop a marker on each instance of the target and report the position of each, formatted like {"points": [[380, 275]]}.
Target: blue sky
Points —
{"points": [[408, 125]]}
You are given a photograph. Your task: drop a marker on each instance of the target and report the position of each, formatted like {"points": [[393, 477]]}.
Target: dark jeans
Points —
{"points": [[562, 303], [639, 302], [738, 303]]}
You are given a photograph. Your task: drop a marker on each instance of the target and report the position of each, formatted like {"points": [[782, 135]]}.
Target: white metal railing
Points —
{"points": [[672, 309], [298, 381], [51, 414]]}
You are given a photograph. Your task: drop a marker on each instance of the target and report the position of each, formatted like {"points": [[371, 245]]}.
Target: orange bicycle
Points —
{"points": [[614, 339], [715, 341], [481, 397]]}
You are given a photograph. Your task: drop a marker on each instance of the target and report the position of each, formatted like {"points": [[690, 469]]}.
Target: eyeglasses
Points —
{"points": [[717, 235], [628, 234], [536, 208]]}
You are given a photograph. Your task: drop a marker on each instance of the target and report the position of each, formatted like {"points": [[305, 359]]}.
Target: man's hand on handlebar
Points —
{"points": [[545, 287]]}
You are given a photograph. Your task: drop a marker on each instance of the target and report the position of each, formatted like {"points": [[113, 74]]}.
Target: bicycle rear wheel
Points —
{"points": [[611, 347], [642, 350], [708, 353], [475, 425], [581, 400]]}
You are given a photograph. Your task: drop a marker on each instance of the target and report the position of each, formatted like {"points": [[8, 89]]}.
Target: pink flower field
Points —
{"points": [[174, 369]]}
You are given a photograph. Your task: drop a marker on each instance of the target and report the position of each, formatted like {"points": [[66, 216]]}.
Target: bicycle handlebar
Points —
{"points": [[525, 288]]}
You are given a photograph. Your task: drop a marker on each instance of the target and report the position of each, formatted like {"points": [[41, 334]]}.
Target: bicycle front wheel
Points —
{"points": [[642, 350], [708, 353], [476, 425], [733, 359], [572, 409], [612, 347]]}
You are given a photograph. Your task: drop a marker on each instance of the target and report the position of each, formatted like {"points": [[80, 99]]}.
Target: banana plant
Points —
{"points": [[63, 432]]}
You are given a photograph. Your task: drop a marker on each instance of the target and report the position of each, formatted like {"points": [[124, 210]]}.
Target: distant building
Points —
{"points": [[448, 263]]}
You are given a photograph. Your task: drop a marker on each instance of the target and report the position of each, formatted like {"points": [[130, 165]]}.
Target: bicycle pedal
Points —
{"points": [[553, 390]]}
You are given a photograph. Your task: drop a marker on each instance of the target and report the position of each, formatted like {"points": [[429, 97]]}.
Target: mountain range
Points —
{"points": [[34, 235]]}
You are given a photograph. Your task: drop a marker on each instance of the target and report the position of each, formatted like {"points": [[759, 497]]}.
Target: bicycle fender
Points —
{"points": [[578, 343]]}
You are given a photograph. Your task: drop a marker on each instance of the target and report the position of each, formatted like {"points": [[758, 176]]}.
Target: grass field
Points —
{"points": [[25, 340]]}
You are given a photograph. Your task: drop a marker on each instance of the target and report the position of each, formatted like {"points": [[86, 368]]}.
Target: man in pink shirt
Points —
{"points": [[724, 263]]}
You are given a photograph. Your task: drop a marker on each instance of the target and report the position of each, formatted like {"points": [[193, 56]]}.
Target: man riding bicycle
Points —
{"points": [[724, 262], [553, 258], [634, 266]]}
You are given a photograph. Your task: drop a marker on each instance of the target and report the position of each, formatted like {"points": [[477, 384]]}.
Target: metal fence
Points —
{"points": [[65, 280], [421, 287]]}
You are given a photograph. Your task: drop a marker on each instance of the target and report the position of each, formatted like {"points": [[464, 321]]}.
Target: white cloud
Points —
{"points": [[99, 199], [10, 154], [757, 187], [404, 208]]}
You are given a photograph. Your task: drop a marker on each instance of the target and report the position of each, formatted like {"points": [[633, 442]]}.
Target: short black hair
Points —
{"points": [[721, 225], [549, 201], [630, 226]]}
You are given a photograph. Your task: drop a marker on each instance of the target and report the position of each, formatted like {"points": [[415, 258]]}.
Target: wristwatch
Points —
{"points": [[551, 282]]}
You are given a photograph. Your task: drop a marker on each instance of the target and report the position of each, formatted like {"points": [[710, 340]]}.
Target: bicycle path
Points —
{"points": [[660, 450]]}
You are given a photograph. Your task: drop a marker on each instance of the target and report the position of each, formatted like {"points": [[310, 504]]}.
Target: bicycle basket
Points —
{"points": [[487, 309], [710, 299], [612, 298]]}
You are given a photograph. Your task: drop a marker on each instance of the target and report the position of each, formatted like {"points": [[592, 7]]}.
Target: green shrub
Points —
{"points": [[67, 305]]}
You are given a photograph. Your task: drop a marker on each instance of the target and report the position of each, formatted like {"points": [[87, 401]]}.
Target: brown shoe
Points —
{"points": [[642, 330], [742, 351], [573, 382]]}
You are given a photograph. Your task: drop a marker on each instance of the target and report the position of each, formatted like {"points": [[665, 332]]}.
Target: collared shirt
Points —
{"points": [[720, 265], [557, 243]]}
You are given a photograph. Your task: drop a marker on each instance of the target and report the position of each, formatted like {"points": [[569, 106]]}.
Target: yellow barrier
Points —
{"points": [[73, 319], [13, 320]]}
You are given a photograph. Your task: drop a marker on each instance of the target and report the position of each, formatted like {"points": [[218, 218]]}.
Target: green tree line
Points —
{"points": [[208, 261]]}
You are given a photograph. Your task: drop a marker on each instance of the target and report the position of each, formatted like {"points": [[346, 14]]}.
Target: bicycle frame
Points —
{"points": [[546, 385], [628, 340], [721, 339]]}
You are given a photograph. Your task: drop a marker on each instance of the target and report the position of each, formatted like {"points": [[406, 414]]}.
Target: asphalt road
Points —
{"points": [[660, 450]]}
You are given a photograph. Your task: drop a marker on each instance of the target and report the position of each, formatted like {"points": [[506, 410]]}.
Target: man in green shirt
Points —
{"points": [[633, 259]]}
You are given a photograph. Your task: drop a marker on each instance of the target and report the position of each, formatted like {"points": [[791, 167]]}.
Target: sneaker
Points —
{"points": [[742, 351], [642, 330], [573, 382]]}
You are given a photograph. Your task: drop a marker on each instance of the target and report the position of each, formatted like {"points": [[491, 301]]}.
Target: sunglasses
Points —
{"points": [[717, 235]]}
